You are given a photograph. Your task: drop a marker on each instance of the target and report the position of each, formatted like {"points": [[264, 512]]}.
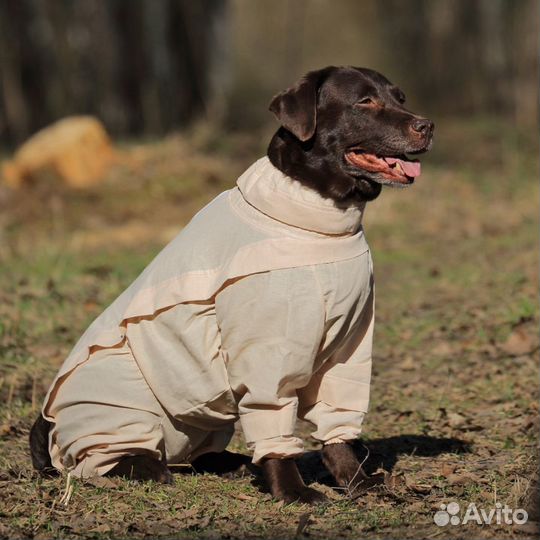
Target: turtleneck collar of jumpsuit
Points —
{"points": [[278, 196]]}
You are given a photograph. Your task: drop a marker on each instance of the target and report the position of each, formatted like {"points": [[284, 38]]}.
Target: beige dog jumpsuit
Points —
{"points": [[260, 309]]}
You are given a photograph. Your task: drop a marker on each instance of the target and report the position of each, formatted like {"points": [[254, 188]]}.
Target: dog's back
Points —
{"points": [[39, 445]]}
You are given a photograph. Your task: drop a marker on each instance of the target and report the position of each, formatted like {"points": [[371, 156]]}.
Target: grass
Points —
{"points": [[454, 413]]}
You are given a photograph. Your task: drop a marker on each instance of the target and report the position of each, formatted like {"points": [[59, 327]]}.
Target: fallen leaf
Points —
{"points": [[102, 482], [6, 429], [519, 343], [456, 420], [188, 513], [408, 364], [447, 469], [442, 349], [393, 481], [332, 494], [529, 423], [406, 334], [463, 479], [422, 488], [418, 488], [205, 521], [418, 507], [243, 497]]}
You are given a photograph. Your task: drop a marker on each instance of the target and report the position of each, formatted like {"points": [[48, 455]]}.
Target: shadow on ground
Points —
{"points": [[375, 454], [382, 453]]}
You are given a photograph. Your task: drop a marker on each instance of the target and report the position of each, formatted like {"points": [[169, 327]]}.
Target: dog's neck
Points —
{"points": [[315, 166]]}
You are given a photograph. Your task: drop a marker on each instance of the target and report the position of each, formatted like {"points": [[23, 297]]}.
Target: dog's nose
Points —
{"points": [[422, 126]]}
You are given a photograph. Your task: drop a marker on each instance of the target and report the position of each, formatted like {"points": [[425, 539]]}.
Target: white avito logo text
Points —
{"points": [[500, 515]]}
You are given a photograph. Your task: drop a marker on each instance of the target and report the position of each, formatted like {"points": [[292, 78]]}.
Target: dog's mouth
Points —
{"points": [[387, 170]]}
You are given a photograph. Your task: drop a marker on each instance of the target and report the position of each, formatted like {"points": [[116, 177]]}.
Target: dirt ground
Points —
{"points": [[454, 414]]}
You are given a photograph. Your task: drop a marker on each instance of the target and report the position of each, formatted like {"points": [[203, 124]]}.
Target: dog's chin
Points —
{"points": [[367, 188], [368, 182]]}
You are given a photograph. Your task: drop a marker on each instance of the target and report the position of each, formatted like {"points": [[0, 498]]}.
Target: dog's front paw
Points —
{"points": [[342, 463], [142, 467], [286, 484], [305, 495]]}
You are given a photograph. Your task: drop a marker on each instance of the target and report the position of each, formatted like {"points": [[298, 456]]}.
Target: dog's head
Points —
{"points": [[346, 131]]}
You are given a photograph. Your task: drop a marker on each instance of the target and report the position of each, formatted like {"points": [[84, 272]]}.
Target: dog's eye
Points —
{"points": [[365, 101]]}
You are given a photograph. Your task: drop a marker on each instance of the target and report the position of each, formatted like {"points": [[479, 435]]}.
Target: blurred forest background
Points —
{"points": [[146, 67]]}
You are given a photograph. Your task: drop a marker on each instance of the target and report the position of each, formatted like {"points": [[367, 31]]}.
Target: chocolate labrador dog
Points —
{"points": [[345, 133]]}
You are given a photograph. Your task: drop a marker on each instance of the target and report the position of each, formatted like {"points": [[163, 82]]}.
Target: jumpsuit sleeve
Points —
{"points": [[336, 399], [271, 327]]}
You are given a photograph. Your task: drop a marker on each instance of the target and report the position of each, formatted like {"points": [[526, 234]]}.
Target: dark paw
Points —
{"points": [[366, 484], [49, 472], [286, 484], [305, 495], [142, 468], [341, 462]]}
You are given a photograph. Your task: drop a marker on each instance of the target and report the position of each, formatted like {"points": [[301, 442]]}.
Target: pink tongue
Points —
{"points": [[410, 168]]}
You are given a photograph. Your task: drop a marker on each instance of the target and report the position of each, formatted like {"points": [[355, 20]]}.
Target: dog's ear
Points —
{"points": [[296, 107]]}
